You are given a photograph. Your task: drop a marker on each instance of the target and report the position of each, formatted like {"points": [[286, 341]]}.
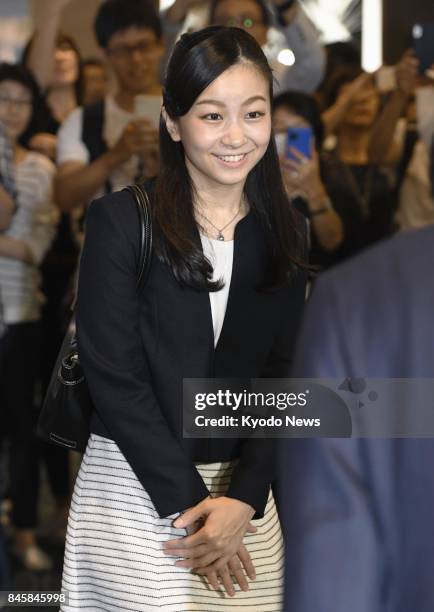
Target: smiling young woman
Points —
{"points": [[223, 299]]}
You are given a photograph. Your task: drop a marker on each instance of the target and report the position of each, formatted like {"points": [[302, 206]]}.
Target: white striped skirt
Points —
{"points": [[114, 559]]}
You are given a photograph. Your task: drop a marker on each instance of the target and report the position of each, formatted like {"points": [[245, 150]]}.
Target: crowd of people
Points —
{"points": [[73, 129]]}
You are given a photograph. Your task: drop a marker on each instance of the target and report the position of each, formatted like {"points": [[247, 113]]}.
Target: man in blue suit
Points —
{"points": [[358, 514]]}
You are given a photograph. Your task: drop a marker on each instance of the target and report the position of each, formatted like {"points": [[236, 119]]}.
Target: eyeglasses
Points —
{"points": [[242, 21], [20, 103], [124, 52]]}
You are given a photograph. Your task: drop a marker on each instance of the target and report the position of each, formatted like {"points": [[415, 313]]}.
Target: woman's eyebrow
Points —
{"points": [[219, 103]]}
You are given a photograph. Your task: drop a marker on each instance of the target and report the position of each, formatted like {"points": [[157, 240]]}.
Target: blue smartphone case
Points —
{"points": [[301, 139]]}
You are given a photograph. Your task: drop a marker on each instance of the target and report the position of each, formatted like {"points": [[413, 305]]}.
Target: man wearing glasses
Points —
{"points": [[108, 146]]}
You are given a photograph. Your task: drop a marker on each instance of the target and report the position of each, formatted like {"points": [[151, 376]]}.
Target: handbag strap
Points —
{"points": [[141, 199]]}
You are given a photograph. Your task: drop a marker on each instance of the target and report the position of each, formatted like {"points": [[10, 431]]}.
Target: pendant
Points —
{"points": [[220, 236]]}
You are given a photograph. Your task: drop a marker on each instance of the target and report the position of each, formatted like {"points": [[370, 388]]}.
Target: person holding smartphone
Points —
{"points": [[370, 178], [158, 520], [106, 146], [298, 131]]}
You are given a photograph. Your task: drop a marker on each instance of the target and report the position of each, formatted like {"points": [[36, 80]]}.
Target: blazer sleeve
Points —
{"points": [[256, 470], [114, 361]]}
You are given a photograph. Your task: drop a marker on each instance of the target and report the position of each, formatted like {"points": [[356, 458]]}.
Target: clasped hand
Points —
{"points": [[216, 546]]}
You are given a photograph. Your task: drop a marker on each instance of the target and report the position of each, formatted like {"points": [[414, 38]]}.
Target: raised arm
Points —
{"points": [[41, 55], [302, 176], [332, 116], [382, 138], [303, 39], [78, 180]]}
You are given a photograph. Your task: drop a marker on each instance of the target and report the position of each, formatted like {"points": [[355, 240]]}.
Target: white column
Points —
{"points": [[372, 34]]}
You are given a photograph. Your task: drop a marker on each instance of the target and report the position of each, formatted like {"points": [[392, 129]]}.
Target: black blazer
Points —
{"points": [[135, 352]]}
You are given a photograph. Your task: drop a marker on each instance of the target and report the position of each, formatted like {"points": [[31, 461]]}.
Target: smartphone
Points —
{"points": [[386, 78], [423, 44], [301, 138], [148, 107]]}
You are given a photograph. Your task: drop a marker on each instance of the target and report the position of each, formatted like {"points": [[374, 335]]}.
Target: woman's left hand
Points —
{"points": [[226, 522]]}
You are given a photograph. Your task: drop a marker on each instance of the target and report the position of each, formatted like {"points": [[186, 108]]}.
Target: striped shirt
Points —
{"points": [[33, 223], [6, 168], [7, 180]]}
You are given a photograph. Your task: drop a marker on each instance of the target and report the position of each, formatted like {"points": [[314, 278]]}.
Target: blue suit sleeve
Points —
{"points": [[334, 559]]}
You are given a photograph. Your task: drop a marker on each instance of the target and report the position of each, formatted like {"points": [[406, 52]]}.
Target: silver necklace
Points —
{"points": [[220, 230]]}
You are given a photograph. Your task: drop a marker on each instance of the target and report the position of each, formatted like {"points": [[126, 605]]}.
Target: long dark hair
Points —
{"points": [[197, 60]]}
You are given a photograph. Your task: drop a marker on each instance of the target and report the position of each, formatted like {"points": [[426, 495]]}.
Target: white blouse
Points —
{"points": [[220, 254]]}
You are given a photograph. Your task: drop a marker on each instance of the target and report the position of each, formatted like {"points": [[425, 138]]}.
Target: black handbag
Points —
{"points": [[67, 409]]}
